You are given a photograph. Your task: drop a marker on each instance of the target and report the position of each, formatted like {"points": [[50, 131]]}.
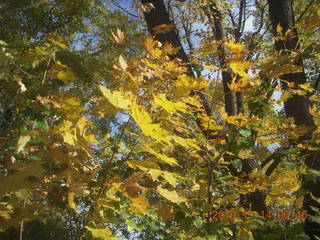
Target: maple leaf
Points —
{"points": [[171, 195], [144, 121], [116, 98], [168, 105], [118, 37], [131, 186]]}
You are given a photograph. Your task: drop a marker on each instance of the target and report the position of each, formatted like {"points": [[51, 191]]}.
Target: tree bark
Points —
{"points": [[159, 15], [234, 106], [230, 98], [297, 107]]}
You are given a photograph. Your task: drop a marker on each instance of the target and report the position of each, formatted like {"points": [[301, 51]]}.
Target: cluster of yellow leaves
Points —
{"points": [[289, 34], [185, 84], [283, 184], [241, 120]]}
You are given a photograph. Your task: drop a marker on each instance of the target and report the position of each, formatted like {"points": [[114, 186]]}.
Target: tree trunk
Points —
{"points": [[233, 101], [297, 107], [230, 98], [158, 15]]}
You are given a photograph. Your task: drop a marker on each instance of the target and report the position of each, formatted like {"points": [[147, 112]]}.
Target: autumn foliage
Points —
{"points": [[113, 126]]}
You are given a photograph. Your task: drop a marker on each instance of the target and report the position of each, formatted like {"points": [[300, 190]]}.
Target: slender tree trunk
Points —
{"points": [[234, 105], [230, 97], [297, 107]]}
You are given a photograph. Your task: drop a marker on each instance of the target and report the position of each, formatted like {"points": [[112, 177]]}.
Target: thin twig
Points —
{"points": [[305, 10], [123, 9], [47, 68]]}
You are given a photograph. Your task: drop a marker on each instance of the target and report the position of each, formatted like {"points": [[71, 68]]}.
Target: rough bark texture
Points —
{"points": [[297, 106]]}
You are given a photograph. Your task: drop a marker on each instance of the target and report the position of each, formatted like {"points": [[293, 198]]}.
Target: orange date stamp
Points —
{"points": [[281, 215]]}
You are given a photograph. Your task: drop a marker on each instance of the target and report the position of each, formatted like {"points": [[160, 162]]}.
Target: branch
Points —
{"points": [[25, 8], [123, 9], [305, 10]]}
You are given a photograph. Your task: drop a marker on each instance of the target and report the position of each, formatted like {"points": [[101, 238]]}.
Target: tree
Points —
{"points": [[297, 106], [115, 133]]}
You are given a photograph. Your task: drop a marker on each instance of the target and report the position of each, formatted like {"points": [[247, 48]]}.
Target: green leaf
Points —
{"points": [[42, 124], [245, 132], [198, 222]]}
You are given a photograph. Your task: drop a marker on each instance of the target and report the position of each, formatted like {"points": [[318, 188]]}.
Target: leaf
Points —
{"points": [[20, 83], [240, 67], [131, 186], [116, 98], [60, 44], [198, 222], [139, 204], [66, 76], [245, 132], [163, 28], [169, 106], [21, 179], [185, 84], [280, 30], [22, 142], [102, 232], [152, 47], [123, 63], [171, 195], [163, 157], [171, 178], [42, 124], [71, 202], [144, 121], [118, 37]]}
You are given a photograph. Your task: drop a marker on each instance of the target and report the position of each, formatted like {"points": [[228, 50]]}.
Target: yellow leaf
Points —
{"points": [[313, 111], [21, 179], [169, 106], [144, 121], [66, 76], [152, 47], [71, 203], [41, 51], [279, 30], [171, 195], [123, 63], [118, 37], [22, 142], [185, 84], [116, 98], [210, 67], [60, 44], [102, 232], [186, 142], [244, 232], [162, 157], [139, 204], [235, 47], [240, 67], [171, 178], [142, 165]]}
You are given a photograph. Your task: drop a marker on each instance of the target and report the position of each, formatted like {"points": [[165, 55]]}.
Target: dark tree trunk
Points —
{"points": [[297, 107], [159, 15], [230, 97], [233, 100]]}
